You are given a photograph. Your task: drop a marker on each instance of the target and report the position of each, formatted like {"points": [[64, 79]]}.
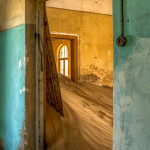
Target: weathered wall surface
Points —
{"points": [[96, 42], [12, 88], [19, 74], [132, 77], [31, 56], [95, 6], [12, 13], [12, 74]]}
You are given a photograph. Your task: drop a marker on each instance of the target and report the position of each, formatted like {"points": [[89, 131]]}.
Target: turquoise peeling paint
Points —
{"points": [[12, 83], [131, 129]]}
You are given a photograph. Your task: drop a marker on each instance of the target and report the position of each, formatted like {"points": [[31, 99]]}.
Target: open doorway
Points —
{"points": [[63, 66], [85, 70], [65, 49]]}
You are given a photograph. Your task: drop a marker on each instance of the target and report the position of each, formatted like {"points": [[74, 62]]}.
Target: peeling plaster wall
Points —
{"points": [[96, 42], [132, 77], [12, 74], [21, 105], [12, 88]]}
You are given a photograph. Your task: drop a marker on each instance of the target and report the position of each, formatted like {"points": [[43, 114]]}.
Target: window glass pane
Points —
{"points": [[66, 54], [62, 52], [66, 67], [61, 66]]}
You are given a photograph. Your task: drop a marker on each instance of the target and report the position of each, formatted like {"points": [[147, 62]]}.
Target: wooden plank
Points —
{"points": [[53, 94]]}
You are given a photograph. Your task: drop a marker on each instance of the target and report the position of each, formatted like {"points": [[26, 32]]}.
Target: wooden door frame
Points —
{"points": [[74, 52]]}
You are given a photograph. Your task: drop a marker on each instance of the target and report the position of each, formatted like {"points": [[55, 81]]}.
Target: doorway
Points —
{"points": [[87, 95], [66, 55], [62, 54], [63, 61]]}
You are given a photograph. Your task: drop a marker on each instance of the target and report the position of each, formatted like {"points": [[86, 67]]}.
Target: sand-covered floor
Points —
{"points": [[88, 120]]}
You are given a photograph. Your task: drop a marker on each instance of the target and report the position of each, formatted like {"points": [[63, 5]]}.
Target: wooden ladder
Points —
{"points": [[53, 94]]}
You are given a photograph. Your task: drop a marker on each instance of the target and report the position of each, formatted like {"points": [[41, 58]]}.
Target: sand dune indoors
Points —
{"points": [[88, 118]]}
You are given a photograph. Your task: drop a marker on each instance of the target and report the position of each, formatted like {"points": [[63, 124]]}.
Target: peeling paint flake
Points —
{"points": [[122, 79], [21, 142], [21, 63], [22, 90]]}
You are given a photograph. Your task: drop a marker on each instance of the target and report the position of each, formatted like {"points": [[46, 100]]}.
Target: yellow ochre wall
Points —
{"points": [[95, 42]]}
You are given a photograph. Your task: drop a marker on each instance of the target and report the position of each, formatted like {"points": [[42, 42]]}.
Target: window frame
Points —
{"points": [[63, 58]]}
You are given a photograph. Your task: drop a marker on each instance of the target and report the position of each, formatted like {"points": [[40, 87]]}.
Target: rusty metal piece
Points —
{"points": [[121, 40]]}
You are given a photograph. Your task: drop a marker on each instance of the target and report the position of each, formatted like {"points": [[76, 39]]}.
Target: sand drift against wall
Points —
{"points": [[88, 118]]}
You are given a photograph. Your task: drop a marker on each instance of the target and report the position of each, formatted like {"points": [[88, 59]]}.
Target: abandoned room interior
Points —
{"points": [[74, 75], [84, 63]]}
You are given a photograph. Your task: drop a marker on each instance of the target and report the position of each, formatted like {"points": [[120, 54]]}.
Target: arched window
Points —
{"points": [[63, 60]]}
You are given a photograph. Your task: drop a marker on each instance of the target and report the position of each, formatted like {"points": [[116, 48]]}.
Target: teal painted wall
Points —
{"points": [[132, 77], [12, 87]]}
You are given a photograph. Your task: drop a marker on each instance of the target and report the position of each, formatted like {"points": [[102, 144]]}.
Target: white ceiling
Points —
{"points": [[94, 6]]}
